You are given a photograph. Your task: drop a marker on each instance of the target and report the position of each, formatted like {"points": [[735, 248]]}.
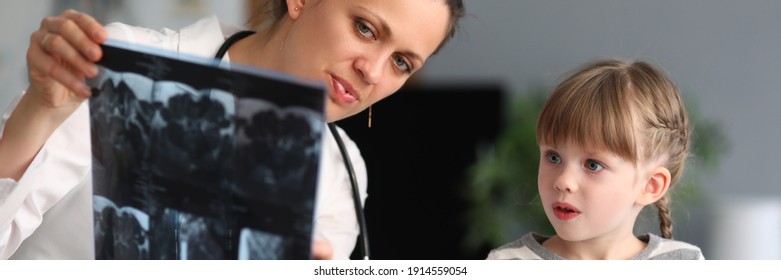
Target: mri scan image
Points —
{"points": [[194, 160]]}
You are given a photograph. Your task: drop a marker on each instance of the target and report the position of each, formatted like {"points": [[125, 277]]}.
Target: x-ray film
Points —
{"points": [[197, 159]]}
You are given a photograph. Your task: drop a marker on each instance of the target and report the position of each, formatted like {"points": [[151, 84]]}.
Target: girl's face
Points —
{"points": [[364, 50], [588, 196]]}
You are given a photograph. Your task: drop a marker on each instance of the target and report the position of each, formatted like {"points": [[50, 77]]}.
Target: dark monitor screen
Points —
{"points": [[417, 152]]}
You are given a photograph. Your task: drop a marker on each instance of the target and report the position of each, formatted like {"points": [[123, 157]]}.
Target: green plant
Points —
{"points": [[502, 184], [501, 188]]}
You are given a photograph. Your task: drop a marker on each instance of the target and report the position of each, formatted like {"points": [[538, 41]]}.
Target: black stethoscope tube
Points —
{"points": [[362, 238]]}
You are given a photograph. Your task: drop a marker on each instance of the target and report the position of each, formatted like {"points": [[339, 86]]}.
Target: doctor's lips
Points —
{"points": [[343, 92], [565, 211]]}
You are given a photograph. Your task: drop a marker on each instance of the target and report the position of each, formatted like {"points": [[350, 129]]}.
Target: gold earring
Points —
{"points": [[370, 116]]}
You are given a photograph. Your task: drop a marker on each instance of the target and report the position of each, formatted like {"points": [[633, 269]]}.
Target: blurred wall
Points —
{"points": [[724, 56], [18, 19]]}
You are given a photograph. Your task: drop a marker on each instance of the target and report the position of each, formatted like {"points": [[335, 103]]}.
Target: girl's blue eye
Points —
{"points": [[594, 166], [553, 158], [364, 29], [401, 64]]}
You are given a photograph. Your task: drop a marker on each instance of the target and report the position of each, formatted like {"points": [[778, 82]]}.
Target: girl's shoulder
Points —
{"points": [[660, 248], [528, 247]]}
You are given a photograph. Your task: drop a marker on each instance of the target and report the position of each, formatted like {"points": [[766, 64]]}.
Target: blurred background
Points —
{"points": [[451, 157]]}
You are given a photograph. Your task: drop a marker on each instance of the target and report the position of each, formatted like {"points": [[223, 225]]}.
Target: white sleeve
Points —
{"points": [[10, 196], [336, 220], [60, 165]]}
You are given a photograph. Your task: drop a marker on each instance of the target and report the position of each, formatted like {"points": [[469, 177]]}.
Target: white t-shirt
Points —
{"points": [[47, 214]]}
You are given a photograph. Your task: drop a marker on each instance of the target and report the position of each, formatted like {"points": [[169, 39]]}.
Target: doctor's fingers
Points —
{"points": [[73, 30], [46, 71], [46, 46]]}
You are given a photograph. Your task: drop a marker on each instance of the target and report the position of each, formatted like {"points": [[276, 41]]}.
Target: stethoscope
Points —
{"points": [[363, 239]]}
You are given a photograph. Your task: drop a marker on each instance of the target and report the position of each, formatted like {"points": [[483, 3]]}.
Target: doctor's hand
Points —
{"points": [[62, 52], [322, 250]]}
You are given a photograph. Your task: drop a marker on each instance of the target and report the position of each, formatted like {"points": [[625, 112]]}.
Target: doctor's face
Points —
{"points": [[364, 50]]}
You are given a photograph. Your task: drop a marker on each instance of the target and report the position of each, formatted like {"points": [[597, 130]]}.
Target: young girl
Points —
{"points": [[613, 138]]}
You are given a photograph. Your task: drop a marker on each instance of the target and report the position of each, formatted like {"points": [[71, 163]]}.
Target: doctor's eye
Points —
{"points": [[402, 64], [364, 29]]}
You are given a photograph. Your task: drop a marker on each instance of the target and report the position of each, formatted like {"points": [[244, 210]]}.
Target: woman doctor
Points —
{"points": [[363, 50]]}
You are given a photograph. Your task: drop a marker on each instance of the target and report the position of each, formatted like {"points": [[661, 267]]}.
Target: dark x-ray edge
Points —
{"points": [[205, 73]]}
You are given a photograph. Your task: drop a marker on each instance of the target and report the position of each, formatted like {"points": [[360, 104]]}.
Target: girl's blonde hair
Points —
{"points": [[604, 104]]}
